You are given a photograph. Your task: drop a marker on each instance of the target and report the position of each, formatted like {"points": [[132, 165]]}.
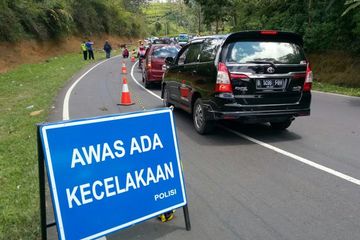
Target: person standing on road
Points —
{"points": [[89, 46], [141, 55], [107, 48], [125, 52], [84, 50]]}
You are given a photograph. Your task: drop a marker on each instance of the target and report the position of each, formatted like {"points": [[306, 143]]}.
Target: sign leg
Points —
{"points": [[187, 218], [41, 186]]}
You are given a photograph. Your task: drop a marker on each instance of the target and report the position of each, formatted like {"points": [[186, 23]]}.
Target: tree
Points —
{"points": [[134, 5], [215, 11], [158, 26]]}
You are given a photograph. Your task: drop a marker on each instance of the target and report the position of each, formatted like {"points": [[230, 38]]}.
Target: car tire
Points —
{"points": [[280, 126], [146, 84], [166, 98], [202, 126]]}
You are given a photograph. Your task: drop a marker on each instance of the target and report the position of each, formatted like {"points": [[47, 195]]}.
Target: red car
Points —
{"points": [[154, 60]]}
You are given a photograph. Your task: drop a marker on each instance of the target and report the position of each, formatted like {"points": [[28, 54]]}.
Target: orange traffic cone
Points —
{"points": [[123, 68], [132, 59], [125, 95]]}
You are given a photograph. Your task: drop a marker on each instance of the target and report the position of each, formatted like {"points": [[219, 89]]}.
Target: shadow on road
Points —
{"points": [[220, 136], [355, 102], [151, 229]]}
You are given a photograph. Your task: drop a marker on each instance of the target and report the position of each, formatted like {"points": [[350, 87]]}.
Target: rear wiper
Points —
{"points": [[261, 61]]}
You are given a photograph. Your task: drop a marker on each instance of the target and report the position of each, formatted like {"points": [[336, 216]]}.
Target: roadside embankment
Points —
{"points": [[336, 72], [336, 68], [31, 51]]}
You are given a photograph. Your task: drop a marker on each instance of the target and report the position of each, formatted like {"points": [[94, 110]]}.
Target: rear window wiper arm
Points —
{"points": [[261, 61]]}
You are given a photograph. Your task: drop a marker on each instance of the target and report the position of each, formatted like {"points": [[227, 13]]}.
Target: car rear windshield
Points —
{"points": [[262, 52], [164, 52]]}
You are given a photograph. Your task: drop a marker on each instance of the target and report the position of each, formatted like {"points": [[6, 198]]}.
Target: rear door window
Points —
{"points": [[164, 52], [182, 57], [258, 52], [209, 49], [192, 55]]}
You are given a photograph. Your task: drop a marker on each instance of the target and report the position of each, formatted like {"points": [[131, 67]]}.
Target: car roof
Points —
{"points": [[164, 45], [203, 38], [268, 35]]}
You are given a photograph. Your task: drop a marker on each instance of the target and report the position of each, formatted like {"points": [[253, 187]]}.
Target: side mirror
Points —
{"points": [[169, 61]]}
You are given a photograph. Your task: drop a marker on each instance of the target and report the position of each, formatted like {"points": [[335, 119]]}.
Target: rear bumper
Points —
{"points": [[222, 107], [154, 75], [257, 116]]}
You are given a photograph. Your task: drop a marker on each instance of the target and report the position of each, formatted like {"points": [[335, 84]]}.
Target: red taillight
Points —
{"points": [[223, 84], [149, 63], [238, 76], [299, 75], [268, 32], [308, 79]]}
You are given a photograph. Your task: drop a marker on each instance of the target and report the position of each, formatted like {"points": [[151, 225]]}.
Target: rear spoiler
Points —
{"points": [[266, 35]]}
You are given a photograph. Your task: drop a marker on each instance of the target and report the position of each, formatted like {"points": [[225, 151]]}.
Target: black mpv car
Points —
{"points": [[252, 76]]}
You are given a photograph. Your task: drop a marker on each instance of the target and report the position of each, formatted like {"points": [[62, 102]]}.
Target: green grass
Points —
{"points": [[327, 87], [24, 90]]}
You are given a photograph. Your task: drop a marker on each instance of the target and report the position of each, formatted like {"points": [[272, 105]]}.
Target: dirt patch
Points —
{"points": [[31, 51]]}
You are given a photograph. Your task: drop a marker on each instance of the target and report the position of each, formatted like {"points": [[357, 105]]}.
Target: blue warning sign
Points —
{"points": [[111, 172]]}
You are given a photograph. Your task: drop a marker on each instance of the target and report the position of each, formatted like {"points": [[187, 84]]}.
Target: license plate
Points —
{"points": [[270, 83]]}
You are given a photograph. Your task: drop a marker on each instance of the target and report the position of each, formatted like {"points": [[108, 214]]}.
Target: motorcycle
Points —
{"points": [[141, 61]]}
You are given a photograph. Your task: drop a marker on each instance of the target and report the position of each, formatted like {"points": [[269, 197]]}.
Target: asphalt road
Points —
{"points": [[246, 181]]}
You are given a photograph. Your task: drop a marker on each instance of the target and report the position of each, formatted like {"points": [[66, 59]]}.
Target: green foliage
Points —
{"points": [[158, 27], [351, 5], [215, 11], [174, 18], [10, 28], [52, 19], [134, 5], [319, 21], [57, 20]]}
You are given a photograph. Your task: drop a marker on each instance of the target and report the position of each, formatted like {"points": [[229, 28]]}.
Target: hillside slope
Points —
{"points": [[32, 51]]}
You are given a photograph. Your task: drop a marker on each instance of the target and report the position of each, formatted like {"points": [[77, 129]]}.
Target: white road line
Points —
{"points": [[296, 157], [102, 238], [276, 149], [68, 93], [335, 94], [136, 81]]}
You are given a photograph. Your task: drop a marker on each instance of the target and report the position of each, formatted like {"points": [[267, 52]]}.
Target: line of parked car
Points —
{"points": [[157, 50], [250, 77]]}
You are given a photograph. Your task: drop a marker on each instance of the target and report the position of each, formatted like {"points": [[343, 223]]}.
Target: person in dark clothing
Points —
{"points": [[89, 46], [125, 53], [107, 49], [84, 50]]}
